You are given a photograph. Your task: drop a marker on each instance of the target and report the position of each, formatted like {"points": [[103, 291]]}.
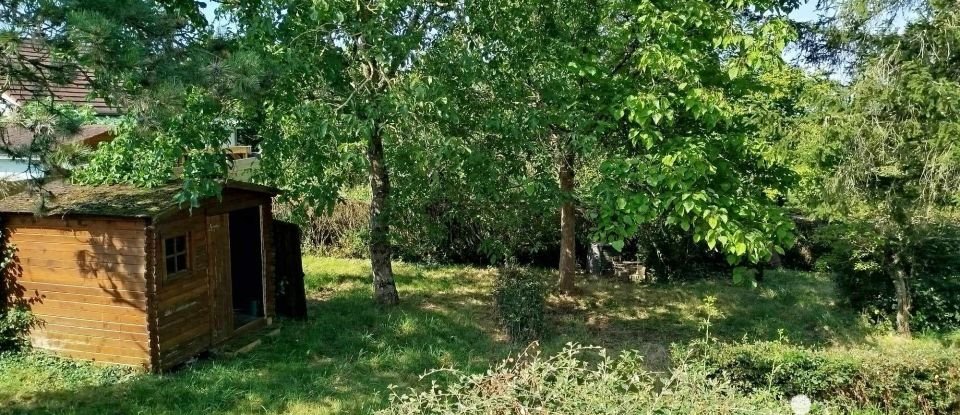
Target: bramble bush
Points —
{"points": [[520, 296], [894, 379], [584, 380]]}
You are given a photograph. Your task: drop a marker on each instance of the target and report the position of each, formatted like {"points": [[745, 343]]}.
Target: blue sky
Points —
{"points": [[806, 12]]}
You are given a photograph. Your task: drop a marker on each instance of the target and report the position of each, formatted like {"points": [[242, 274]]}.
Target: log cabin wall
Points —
{"points": [[188, 319], [86, 280], [182, 305]]}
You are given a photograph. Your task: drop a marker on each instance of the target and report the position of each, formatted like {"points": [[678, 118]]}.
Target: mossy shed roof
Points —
{"points": [[117, 200]]}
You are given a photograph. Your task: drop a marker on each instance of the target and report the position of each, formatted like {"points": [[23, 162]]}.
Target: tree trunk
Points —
{"points": [[899, 275], [568, 223], [384, 288]]}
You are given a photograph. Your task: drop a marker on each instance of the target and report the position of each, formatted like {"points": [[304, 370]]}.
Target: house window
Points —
{"points": [[175, 254]]}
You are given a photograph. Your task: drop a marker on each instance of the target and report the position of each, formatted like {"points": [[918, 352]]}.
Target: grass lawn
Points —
{"points": [[343, 358]]}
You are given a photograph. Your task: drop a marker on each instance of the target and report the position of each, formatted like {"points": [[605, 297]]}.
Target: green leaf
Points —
{"points": [[740, 248], [733, 71], [618, 245]]}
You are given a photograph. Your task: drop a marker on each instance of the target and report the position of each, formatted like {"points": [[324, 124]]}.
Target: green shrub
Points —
{"points": [[521, 299], [341, 232], [584, 380], [15, 323], [892, 380]]}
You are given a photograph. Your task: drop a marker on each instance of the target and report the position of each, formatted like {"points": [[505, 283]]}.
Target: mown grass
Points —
{"points": [[343, 358]]}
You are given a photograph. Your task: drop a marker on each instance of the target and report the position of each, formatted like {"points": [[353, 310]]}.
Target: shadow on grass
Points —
{"points": [[801, 307], [344, 357], [340, 361]]}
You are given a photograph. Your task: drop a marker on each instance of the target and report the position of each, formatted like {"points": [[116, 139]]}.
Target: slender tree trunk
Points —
{"points": [[384, 288], [899, 275], [568, 222]]}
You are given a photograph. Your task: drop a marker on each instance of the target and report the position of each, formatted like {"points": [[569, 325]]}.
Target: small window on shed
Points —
{"points": [[175, 254]]}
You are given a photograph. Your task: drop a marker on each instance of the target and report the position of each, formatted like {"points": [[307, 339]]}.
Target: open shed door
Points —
{"points": [[221, 285]]}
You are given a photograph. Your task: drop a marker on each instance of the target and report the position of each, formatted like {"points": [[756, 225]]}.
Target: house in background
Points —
{"points": [[17, 169], [78, 92]]}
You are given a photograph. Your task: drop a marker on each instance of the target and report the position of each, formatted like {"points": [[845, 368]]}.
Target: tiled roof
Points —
{"points": [[77, 91], [15, 136], [62, 198]]}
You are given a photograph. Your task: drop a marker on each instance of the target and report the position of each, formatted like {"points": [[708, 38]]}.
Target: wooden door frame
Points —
{"points": [[232, 331], [263, 260], [215, 281]]}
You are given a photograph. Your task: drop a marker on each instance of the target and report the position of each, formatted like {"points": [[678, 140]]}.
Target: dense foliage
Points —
{"points": [[15, 317], [855, 257], [187, 144], [458, 112], [134, 53], [882, 154], [706, 378], [582, 380], [15, 323], [642, 110], [692, 155], [896, 380]]}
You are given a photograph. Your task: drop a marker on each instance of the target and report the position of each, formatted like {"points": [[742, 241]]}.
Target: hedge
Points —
{"points": [[892, 379]]}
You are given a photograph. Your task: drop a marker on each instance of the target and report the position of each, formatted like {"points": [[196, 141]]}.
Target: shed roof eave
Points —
{"points": [[117, 201]]}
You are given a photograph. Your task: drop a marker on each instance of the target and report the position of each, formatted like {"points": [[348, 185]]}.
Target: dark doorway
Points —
{"points": [[246, 264]]}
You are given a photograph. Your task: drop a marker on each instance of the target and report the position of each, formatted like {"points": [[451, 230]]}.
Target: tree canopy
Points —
{"points": [[491, 118], [884, 150], [655, 97]]}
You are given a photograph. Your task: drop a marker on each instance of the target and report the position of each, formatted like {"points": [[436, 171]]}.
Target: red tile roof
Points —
{"points": [[77, 91], [15, 136]]}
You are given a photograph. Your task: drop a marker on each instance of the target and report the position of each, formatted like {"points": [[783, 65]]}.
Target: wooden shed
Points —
{"points": [[127, 275]]}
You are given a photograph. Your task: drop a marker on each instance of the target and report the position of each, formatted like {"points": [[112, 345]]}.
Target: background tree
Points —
{"points": [[342, 81], [885, 149], [556, 69], [693, 156], [605, 81]]}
